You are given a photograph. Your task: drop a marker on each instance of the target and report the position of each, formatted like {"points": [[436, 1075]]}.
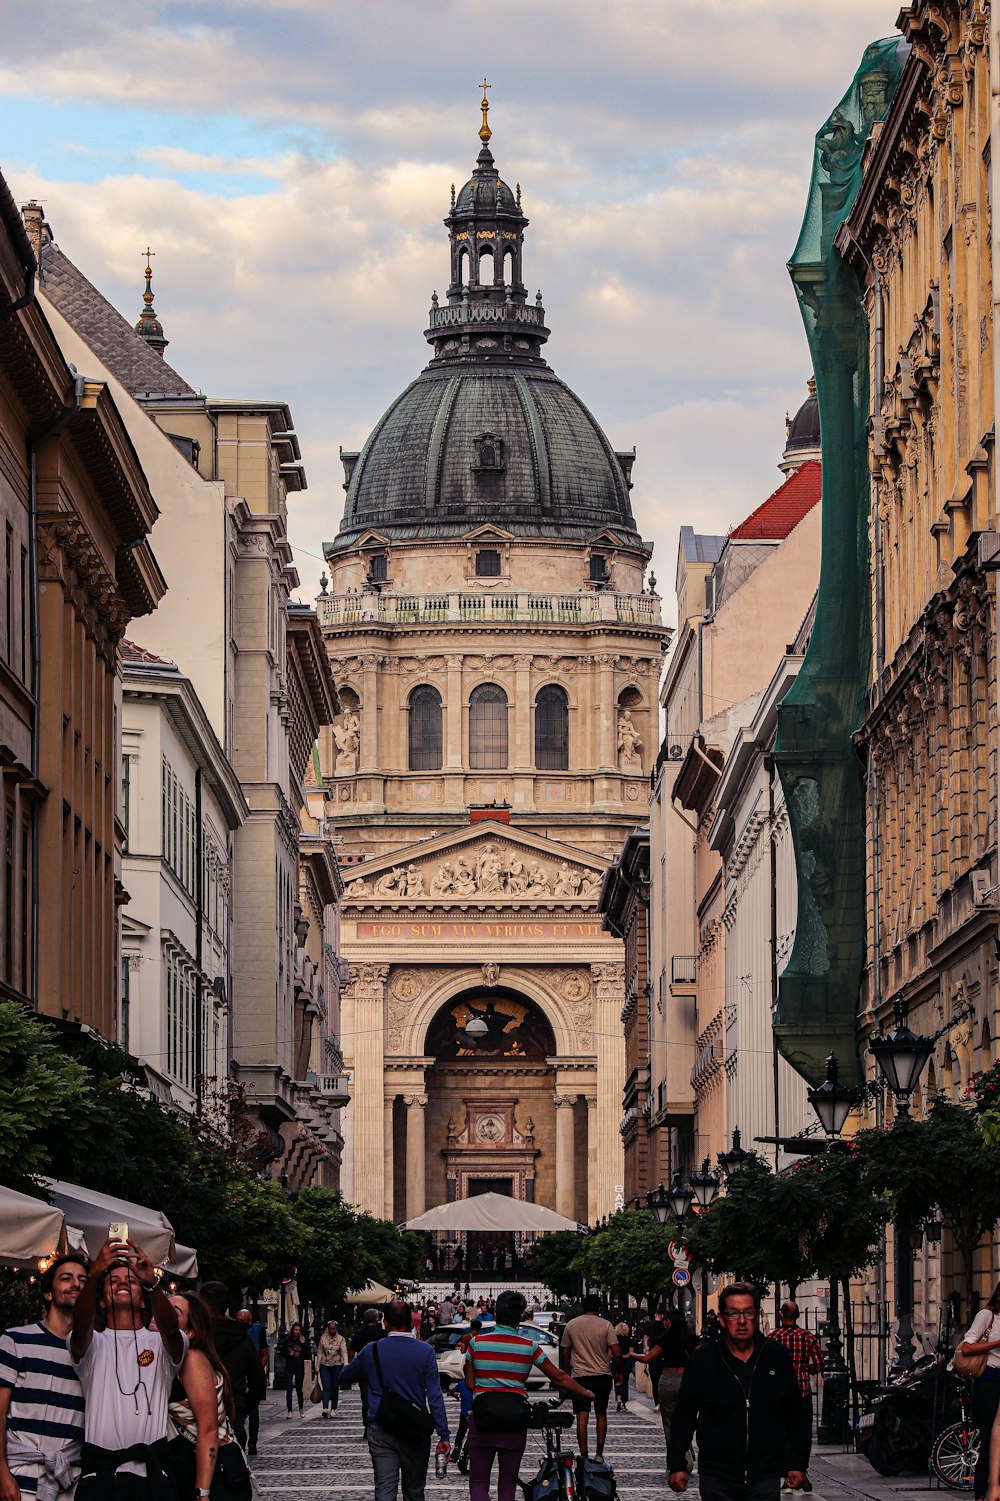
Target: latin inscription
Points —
{"points": [[480, 930]]}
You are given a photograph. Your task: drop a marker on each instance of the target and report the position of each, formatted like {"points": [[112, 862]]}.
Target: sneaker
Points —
{"points": [[288, 1416], [326, 1415], [252, 1450]]}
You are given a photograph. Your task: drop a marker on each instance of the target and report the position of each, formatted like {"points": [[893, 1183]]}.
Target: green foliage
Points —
{"points": [[43, 1094], [941, 1165], [552, 1262], [630, 1256], [814, 1220], [341, 1250]]}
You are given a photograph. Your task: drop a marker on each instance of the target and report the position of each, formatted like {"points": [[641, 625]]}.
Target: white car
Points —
{"points": [[451, 1361]]}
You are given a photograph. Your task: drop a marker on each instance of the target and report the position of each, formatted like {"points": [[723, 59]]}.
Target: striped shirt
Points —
{"points": [[45, 1421], [503, 1358]]}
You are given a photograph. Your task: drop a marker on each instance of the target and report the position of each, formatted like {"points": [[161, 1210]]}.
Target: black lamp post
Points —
{"points": [[833, 1103], [659, 1204], [733, 1160], [679, 1198], [901, 1056], [705, 1186]]}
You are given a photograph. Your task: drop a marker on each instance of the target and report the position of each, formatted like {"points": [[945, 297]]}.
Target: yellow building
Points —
{"points": [[496, 654]]}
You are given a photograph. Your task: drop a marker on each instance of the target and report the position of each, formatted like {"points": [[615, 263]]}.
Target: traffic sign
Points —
{"points": [[681, 1277]]}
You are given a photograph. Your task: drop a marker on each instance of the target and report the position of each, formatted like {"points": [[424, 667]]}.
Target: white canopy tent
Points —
{"points": [[373, 1293], [91, 1213], [491, 1212], [29, 1229]]}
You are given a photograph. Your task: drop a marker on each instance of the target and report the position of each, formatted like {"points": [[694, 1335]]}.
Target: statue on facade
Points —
{"points": [[489, 872], [517, 876], [465, 877], [443, 881], [414, 881], [538, 881], [491, 974], [567, 881], [358, 887], [591, 883], [347, 734], [629, 741], [390, 884]]}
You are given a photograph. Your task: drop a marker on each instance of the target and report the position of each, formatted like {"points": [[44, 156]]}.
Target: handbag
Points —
{"points": [[316, 1390], [501, 1411], [398, 1415], [643, 1380], [232, 1480], [969, 1367]]}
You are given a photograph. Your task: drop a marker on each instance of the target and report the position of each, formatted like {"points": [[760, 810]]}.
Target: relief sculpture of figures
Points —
{"points": [[517, 876], [538, 881], [629, 742], [489, 871], [443, 881], [348, 734], [390, 884], [465, 879], [414, 881], [567, 881]]}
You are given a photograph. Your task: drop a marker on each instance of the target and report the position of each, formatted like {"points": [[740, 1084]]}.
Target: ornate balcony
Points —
{"points": [[590, 607]]}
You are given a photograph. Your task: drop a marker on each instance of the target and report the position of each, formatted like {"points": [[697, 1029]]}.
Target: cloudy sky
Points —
{"points": [[290, 161]]}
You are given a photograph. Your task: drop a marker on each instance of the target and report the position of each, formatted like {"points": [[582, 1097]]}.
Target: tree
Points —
{"points": [[552, 1262], [44, 1098], [943, 1165], [630, 1256]]}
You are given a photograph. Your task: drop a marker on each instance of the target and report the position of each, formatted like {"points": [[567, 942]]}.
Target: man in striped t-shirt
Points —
{"points": [[501, 1361], [41, 1400]]}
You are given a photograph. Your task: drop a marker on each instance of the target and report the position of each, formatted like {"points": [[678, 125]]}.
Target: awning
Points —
{"points": [[92, 1213], [373, 1293], [491, 1212], [29, 1228]]}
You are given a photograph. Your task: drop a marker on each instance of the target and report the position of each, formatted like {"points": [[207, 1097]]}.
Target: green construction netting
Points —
{"points": [[818, 990]]}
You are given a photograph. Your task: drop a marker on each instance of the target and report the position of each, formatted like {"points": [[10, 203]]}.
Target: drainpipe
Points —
{"points": [[775, 1073], [36, 653], [199, 932]]}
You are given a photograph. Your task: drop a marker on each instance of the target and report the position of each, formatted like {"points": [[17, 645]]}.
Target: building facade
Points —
{"points": [[497, 655], [76, 568], [624, 906]]}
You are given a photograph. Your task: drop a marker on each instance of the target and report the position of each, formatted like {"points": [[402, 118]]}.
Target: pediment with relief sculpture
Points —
{"points": [[488, 864]]}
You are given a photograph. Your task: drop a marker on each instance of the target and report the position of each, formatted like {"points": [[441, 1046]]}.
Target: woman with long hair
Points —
{"points": [[200, 1403], [983, 1336]]}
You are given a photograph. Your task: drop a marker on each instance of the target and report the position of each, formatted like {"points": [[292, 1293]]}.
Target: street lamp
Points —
{"points": [[679, 1197], [705, 1185], [733, 1160], [475, 1028], [659, 1204], [832, 1101], [901, 1057]]}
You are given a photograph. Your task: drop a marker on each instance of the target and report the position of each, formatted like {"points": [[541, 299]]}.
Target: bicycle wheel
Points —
{"points": [[954, 1455]]}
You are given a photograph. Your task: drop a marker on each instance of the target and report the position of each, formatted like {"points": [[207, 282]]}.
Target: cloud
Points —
{"points": [[290, 163]]}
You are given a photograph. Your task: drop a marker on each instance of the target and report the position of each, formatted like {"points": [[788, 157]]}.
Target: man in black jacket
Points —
{"points": [[740, 1396], [238, 1354]]}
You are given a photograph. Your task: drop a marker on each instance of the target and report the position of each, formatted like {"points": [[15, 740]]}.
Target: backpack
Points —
{"points": [[595, 1480], [545, 1484]]}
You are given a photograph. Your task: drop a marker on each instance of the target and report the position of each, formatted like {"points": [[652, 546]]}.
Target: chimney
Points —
{"points": [[36, 228]]}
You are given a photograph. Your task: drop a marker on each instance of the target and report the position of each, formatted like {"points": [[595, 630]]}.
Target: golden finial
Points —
{"points": [[147, 296], [484, 130]]}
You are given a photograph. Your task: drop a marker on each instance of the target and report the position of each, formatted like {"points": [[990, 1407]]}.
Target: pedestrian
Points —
{"points": [[464, 1397], [41, 1399], [258, 1338], [497, 1365], [625, 1345], [741, 1397], [200, 1403], [126, 1371], [807, 1358], [668, 1347], [297, 1350], [712, 1328], [983, 1337], [239, 1356], [428, 1326], [446, 1313], [589, 1349], [369, 1330], [331, 1357], [406, 1405]]}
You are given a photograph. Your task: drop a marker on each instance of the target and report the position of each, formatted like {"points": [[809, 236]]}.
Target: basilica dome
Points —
{"points": [[487, 433]]}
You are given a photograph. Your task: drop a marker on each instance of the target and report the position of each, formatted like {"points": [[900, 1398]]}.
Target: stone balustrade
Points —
{"points": [[585, 608]]}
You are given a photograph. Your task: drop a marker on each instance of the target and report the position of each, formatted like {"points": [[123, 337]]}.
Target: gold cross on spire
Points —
{"points": [[484, 130], [147, 296]]}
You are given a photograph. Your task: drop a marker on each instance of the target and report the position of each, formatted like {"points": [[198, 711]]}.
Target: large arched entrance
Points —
{"points": [[490, 1113]]}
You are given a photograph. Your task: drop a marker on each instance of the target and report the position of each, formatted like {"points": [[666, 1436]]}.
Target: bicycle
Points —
{"points": [[555, 1475], [955, 1450]]}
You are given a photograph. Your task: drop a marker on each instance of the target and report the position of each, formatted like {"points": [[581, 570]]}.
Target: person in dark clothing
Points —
{"points": [[741, 1397], [369, 1330], [238, 1354], [669, 1345], [296, 1349]]}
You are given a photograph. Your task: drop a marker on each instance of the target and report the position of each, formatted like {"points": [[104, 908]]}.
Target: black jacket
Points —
{"points": [[739, 1438], [241, 1359]]}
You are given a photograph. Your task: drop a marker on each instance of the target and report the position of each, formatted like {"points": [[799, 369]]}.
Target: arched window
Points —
{"points": [[488, 728], [425, 740], [552, 729]]}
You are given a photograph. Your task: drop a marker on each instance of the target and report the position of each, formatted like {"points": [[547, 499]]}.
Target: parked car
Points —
{"points": [[451, 1361]]}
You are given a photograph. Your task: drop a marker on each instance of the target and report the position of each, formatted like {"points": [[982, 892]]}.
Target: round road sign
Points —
{"points": [[681, 1277]]}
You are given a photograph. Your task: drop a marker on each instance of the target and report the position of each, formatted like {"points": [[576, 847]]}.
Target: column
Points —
{"points": [[522, 714], [416, 1155], [365, 997], [607, 714], [387, 1196], [369, 714], [454, 709], [593, 1211], [609, 993], [565, 1165]]}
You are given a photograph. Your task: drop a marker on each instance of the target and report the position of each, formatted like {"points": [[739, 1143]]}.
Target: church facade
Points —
{"points": [[497, 653]]}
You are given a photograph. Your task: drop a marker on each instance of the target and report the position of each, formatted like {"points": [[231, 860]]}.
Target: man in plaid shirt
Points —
{"points": [[807, 1358]]}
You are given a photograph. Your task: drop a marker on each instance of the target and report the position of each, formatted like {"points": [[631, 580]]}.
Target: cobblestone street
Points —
{"points": [[311, 1458]]}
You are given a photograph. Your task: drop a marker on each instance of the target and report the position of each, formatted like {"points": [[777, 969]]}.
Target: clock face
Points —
{"points": [[489, 1128]]}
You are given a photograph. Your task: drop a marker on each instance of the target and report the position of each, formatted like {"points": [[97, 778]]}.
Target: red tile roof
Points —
{"points": [[133, 653], [781, 513]]}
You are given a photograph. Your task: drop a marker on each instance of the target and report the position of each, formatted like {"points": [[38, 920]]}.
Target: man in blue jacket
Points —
{"points": [[740, 1395], [408, 1368]]}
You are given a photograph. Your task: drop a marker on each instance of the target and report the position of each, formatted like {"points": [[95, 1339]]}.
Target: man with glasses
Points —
{"points": [[740, 1397]]}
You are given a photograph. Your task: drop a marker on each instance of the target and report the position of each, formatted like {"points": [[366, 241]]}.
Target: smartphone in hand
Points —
{"points": [[118, 1231]]}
